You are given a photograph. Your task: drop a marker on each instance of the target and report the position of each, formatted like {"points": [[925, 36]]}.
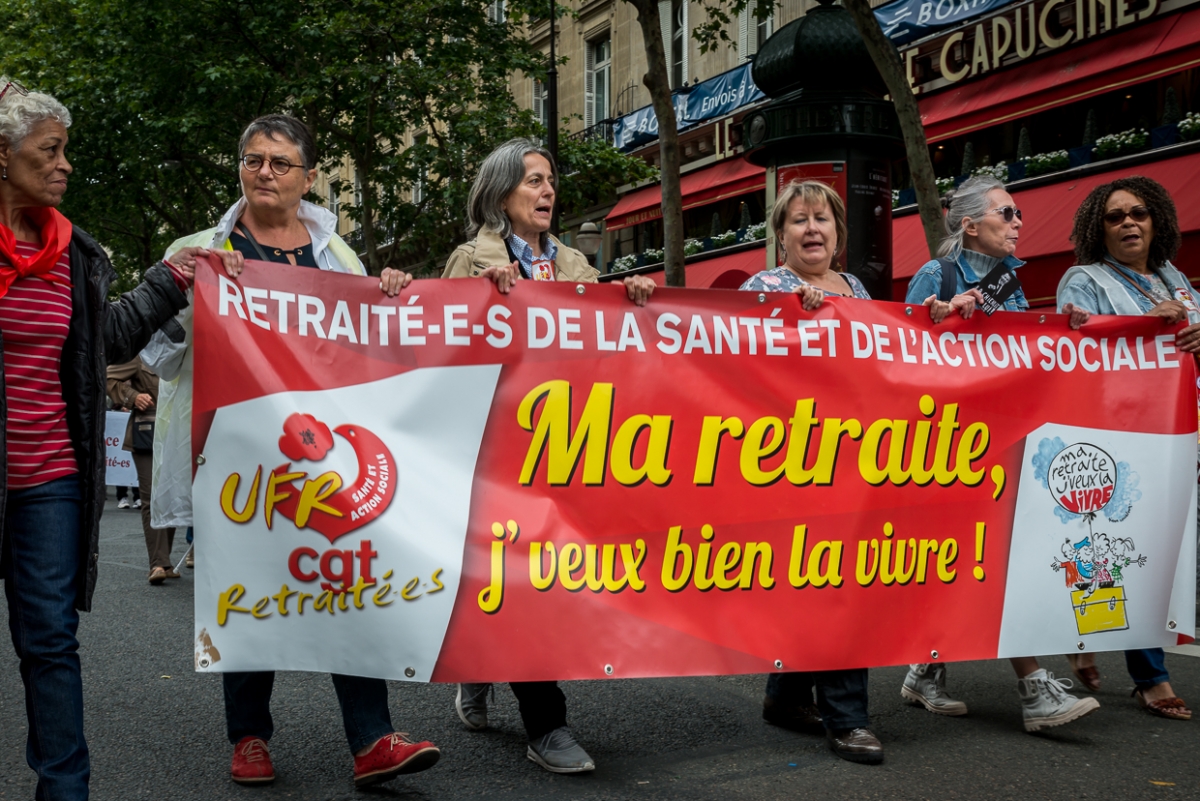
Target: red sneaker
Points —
{"points": [[392, 755], [252, 762]]}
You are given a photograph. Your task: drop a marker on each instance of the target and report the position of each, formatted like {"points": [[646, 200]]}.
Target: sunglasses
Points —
{"points": [[1117, 216], [1008, 212], [16, 87]]}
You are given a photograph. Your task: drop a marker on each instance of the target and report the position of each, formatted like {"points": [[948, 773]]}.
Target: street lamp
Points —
{"points": [[588, 239]]}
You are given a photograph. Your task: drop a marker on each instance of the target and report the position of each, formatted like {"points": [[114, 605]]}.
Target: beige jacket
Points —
{"points": [[487, 250]]}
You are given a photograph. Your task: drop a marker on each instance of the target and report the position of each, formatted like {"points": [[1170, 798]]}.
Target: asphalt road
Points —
{"points": [[156, 729]]}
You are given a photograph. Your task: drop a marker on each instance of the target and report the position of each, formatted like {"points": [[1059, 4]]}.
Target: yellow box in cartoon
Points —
{"points": [[1102, 610]]}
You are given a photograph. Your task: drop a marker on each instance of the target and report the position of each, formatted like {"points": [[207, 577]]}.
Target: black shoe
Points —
{"points": [[856, 745], [795, 717]]}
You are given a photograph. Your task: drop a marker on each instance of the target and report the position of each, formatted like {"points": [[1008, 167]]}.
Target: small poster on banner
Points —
{"points": [[120, 471]]}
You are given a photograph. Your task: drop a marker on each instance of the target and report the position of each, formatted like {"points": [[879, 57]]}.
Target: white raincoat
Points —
{"points": [[171, 495]]}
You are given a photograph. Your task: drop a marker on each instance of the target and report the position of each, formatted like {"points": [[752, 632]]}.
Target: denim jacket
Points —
{"points": [[1108, 288], [928, 281]]}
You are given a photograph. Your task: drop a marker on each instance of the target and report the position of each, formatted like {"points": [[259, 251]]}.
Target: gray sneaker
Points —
{"points": [[926, 685], [1045, 702], [558, 752], [471, 704]]}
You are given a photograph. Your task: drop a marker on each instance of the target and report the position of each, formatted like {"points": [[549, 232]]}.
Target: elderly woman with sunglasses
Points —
{"points": [[1126, 233], [270, 222], [58, 332], [983, 225]]}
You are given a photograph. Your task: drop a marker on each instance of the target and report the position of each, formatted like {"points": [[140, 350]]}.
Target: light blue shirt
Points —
{"points": [[524, 253], [1082, 290], [928, 281]]}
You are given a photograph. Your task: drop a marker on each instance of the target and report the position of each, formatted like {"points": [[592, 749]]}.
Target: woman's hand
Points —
{"points": [[964, 304], [392, 281], [505, 278], [184, 261], [143, 401], [939, 309], [639, 288], [1172, 311], [1078, 316], [810, 297], [1188, 340]]}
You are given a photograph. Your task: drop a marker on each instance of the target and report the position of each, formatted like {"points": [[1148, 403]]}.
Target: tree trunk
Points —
{"points": [[659, 85], [887, 61]]}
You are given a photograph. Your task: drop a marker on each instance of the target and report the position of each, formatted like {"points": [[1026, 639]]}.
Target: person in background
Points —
{"points": [[983, 226], [271, 222], [125, 493], [509, 212], [133, 386], [1125, 234]]}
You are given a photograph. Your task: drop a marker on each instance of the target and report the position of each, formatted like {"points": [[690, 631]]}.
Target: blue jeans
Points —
{"points": [[364, 704], [841, 695], [40, 563], [1147, 667]]}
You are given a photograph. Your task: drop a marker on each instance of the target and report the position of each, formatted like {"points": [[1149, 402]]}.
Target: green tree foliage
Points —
{"points": [[411, 93]]}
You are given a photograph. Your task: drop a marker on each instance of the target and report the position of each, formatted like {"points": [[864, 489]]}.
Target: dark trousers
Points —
{"points": [[841, 695], [543, 706], [1147, 667], [364, 704], [158, 540], [40, 563]]}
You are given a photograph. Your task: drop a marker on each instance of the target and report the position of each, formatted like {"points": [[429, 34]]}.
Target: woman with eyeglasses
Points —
{"points": [[983, 225], [271, 222], [1125, 234]]}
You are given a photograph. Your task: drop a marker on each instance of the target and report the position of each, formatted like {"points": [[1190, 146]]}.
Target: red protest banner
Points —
{"points": [[454, 485]]}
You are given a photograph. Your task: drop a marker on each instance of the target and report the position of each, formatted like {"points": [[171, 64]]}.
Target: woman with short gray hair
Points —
{"points": [[54, 281], [983, 225], [508, 225]]}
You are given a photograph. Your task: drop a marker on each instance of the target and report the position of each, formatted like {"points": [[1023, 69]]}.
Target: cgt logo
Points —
{"points": [[326, 503]]}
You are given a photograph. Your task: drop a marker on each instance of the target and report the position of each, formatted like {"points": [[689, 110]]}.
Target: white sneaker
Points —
{"points": [[1045, 702], [123, 503], [926, 685], [137, 504]]}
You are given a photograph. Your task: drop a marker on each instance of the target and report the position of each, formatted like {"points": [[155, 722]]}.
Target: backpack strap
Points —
{"points": [[949, 278]]}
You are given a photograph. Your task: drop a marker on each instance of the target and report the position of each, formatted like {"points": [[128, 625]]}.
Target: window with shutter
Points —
{"points": [[589, 86], [597, 77], [541, 109]]}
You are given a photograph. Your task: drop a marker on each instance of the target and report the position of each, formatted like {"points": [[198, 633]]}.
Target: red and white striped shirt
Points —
{"points": [[35, 317]]}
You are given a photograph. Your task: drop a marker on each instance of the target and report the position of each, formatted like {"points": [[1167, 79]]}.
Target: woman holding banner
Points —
{"points": [[1126, 233], [57, 334], [271, 222], [983, 225], [809, 220], [509, 212]]}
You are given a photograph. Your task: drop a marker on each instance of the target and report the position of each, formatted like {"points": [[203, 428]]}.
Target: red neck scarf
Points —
{"points": [[56, 235]]}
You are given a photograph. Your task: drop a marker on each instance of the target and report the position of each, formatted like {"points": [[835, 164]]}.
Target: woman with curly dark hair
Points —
{"points": [[1126, 233]]}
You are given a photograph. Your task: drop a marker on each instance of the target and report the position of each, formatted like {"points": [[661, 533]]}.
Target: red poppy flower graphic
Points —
{"points": [[305, 437]]}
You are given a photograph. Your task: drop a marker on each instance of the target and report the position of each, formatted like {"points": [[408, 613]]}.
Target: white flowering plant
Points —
{"points": [[1189, 126], [692, 246], [653, 256], [756, 232], [623, 263], [997, 171], [1043, 163], [1118, 144], [724, 240]]}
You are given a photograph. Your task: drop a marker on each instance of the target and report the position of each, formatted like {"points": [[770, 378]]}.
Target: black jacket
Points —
{"points": [[101, 332]]}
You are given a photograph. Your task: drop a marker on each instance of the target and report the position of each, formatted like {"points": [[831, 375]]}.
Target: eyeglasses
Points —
{"points": [[1008, 212], [16, 87], [278, 166], [1117, 216]]}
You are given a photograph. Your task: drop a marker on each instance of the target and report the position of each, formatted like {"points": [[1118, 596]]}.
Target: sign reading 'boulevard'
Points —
{"points": [[457, 485]]}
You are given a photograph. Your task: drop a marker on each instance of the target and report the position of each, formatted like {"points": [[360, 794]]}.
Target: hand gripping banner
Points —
{"points": [[455, 485]]}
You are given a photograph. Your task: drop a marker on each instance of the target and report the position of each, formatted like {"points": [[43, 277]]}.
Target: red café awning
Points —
{"points": [[1048, 216], [722, 272], [724, 179], [1142, 53]]}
